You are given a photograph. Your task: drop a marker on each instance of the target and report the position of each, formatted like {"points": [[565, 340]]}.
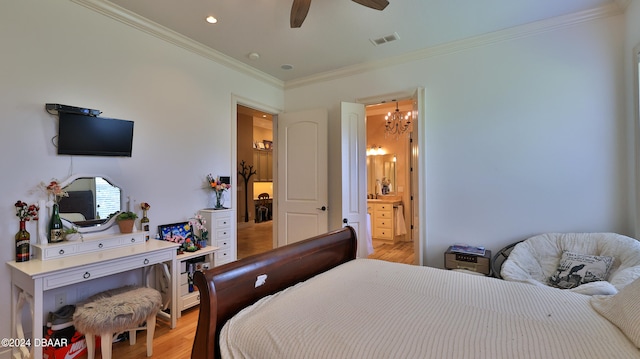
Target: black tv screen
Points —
{"points": [[94, 136]]}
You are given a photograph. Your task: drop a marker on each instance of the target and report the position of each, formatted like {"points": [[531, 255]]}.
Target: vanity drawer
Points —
{"points": [[383, 214], [383, 207], [135, 238], [383, 233], [57, 251], [89, 245], [79, 275], [98, 245], [385, 223]]}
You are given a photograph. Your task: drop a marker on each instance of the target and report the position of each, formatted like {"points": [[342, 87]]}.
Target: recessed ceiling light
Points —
{"points": [[286, 67], [254, 56], [211, 20]]}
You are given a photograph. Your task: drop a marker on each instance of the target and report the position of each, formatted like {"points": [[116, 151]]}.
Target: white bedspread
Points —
{"points": [[375, 309]]}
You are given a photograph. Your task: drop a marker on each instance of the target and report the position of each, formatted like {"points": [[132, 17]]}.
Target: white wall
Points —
{"points": [[57, 51], [632, 44], [523, 135]]}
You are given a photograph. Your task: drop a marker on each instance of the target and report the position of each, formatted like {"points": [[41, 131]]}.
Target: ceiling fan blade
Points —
{"points": [[299, 11], [374, 4]]}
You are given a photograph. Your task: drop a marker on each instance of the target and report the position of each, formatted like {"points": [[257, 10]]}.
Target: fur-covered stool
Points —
{"points": [[115, 311]]}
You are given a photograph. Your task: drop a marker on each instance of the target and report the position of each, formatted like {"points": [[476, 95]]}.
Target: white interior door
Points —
{"points": [[354, 174], [302, 175]]}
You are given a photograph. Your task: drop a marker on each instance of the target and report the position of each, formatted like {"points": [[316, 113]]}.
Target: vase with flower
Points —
{"points": [[24, 212], [55, 231], [199, 230], [218, 188]]}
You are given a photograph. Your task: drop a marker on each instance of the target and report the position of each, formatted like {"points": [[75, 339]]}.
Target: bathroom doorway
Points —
{"points": [[389, 182]]}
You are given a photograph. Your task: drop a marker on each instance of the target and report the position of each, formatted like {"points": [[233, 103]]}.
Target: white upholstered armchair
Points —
{"points": [[587, 263]]}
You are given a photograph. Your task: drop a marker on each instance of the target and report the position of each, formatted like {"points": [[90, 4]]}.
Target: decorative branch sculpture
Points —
{"points": [[246, 174]]}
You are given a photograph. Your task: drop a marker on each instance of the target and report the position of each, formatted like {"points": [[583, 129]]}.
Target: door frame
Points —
{"points": [[418, 190], [273, 111], [419, 130]]}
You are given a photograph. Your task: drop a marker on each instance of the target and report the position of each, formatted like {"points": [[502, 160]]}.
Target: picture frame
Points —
{"points": [[182, 229]]}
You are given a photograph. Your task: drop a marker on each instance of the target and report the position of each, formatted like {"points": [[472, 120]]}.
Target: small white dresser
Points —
{"points": [[222, 233]]}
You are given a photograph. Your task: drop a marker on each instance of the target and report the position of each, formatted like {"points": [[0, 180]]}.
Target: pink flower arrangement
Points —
{"points": [[26, 212], [145, 206], [54, 189], [198, 223]]}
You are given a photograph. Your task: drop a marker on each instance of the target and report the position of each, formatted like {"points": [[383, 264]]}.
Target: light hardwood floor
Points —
{"points": [[255, 238]]}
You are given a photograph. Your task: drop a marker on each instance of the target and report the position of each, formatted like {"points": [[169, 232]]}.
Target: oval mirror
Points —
{"points": [[92, 202]]}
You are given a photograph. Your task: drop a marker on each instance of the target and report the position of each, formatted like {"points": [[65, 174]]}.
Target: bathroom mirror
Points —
{"points": [[380, 168], [92, 203]]}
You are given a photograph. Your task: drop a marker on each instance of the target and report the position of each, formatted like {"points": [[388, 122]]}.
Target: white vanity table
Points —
{"points": [[31, 280], [104, 252]]}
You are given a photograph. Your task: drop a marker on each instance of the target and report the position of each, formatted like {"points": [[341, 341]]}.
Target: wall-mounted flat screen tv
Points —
{"points": [[94, 136]]}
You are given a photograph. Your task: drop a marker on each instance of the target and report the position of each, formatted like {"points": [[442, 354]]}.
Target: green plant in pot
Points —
{"points": [[126, 220]]}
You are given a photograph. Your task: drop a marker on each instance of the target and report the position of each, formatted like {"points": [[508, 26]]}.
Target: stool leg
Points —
{"points": [[151, 329], [90, 339], [132, 337], [106, 341]]}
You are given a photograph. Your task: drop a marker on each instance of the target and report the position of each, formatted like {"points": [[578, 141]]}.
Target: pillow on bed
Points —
{"points": [[622, 309], [576, 269]]}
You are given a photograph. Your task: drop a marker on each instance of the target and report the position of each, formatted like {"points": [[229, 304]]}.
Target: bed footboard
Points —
{"points": [[227, 289]]}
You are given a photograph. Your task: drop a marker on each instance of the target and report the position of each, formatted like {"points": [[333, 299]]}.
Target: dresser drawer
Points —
{"points": [[223, 256], [222, 222], [222, 233], [223, 244], [189, 300]]}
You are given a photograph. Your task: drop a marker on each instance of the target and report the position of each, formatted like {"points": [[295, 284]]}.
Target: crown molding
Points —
{"points": [[129, 18], [116, 12], [530, 29]]}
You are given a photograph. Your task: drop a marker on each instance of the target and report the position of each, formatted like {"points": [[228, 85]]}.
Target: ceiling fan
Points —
{"points": [[300, 8]]}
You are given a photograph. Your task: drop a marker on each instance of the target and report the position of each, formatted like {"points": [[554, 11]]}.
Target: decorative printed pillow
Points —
{"points": [[576, 269]]}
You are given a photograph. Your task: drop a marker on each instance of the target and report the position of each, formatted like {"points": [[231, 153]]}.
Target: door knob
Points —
{"points": [[323, 208]]}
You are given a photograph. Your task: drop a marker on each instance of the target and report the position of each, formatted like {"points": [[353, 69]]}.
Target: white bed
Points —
{"points": [[313, 299], [375, 309]]}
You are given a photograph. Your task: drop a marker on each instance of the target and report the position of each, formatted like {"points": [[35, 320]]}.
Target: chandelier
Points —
{"points": [[396, 124]]}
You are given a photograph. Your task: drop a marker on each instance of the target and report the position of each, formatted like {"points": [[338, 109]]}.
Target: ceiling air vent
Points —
{"points": [[385, 39]]}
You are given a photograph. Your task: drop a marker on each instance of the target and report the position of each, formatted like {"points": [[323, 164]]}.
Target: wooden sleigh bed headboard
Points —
{"points": [[227, 289]]}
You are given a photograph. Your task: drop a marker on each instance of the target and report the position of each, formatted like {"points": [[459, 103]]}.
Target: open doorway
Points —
{"points": [[389, 184], [256, 178]]}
